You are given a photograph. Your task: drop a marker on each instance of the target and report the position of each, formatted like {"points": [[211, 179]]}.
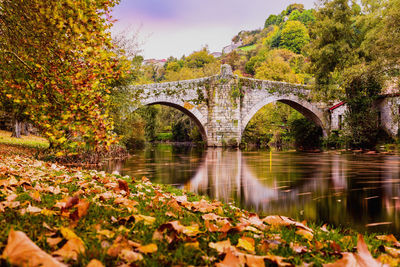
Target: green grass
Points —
{"points": [[30, 141], [164, 137], [248, 47]]}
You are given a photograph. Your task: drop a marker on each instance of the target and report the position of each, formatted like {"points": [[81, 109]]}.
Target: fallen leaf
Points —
{"points": [[389, 238], [53, 241], [71, 249], [130, 256], [298, 248], [193, 244], [123, 185], [324, 229], [362, 258], [221, 246], [246, 243], [230, 260], [306, 234], [148, 220], [68, 233], [83, 207], [392, 251], [21, 251], [276, 220], [95, 263], [32, 209], [150, 248], [35, 196]]}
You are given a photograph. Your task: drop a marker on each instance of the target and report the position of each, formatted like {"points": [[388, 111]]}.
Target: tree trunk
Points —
{"points": [[24, 128], [16, 132]]}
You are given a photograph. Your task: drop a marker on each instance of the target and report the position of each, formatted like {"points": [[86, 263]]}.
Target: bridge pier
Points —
{"points": [[223, 126]]}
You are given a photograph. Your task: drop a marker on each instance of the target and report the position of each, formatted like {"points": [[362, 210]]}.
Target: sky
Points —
{"points": [[167, 28]]}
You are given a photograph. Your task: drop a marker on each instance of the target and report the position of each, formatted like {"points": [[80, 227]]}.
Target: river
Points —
{"points": [[351, 190]]}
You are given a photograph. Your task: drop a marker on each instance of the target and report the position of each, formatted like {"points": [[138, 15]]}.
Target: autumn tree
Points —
{"points": [[350, 59], [294, 36], [56, 67]]}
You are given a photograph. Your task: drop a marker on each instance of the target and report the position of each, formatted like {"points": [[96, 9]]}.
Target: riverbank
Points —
{"points": [[82, 217]]}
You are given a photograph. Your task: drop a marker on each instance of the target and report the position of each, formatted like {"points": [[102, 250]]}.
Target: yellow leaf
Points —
{"points": [[306, 234], [47, 212], [191, 230], [68, 233], [246, 243], [150, 248], [106, 233], [192, 244], [148, 220], [21, 251]]}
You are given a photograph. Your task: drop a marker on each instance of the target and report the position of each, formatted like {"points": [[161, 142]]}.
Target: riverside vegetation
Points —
{"points": [[57, 216]]}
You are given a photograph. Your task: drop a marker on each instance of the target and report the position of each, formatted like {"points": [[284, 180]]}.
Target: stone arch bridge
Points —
{"points": [[222, 105]]}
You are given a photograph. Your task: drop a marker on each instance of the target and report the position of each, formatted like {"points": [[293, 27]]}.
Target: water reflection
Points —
{"points": [[350, 190]]}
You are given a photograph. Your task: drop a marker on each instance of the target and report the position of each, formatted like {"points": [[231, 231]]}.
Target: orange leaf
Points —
{"points": [[21, 251], [71, 249], [150, 248], [95, 263]]}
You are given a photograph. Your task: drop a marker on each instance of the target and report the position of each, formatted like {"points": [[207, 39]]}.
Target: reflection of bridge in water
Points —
{"points": [[329, 187], [225, 175]]}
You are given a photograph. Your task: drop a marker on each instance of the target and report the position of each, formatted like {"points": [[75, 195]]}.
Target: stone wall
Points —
{"points": [[222, 105]]}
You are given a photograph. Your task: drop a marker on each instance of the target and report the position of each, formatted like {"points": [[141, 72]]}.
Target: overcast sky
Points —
{"points": [[179, 27]]}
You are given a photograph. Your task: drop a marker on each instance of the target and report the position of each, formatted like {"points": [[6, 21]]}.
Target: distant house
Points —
{"points": [[233, 46], [156, 62], [216, 54]]}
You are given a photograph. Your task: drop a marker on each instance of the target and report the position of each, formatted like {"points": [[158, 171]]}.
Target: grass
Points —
{"points": [[125, 214], [30, 141], [248, 47], [164, 137]]}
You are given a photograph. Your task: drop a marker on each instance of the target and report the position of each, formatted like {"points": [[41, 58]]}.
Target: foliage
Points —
{"points": [[348, 60], [307, 135], [277, 65], [56, 66], [294, 36]]}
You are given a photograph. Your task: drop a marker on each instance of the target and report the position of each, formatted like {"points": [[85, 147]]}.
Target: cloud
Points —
{"points": [[178, 26]]}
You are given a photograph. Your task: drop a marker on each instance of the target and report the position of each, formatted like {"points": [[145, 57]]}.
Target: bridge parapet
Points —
{"points": [[223, 104]]}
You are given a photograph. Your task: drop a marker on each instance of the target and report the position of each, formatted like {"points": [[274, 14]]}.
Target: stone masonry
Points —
{"points": [[222, 105]]}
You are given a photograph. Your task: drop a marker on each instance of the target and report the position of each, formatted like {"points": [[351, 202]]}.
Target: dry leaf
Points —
{"points": [[21, 251], [68, 233], [389, 238], [130, 256], [95, 263], [148, 220], [123, 185], [276, 220], [220, 246], [230, 260], [83, 207], [53, 241], [150, 248], [362, 258], [246, 243], [71, 249], [306, 234]]}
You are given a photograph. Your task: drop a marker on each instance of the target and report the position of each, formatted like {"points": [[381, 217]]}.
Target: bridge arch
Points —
{"points": [[307, 109], [193, 113]]}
